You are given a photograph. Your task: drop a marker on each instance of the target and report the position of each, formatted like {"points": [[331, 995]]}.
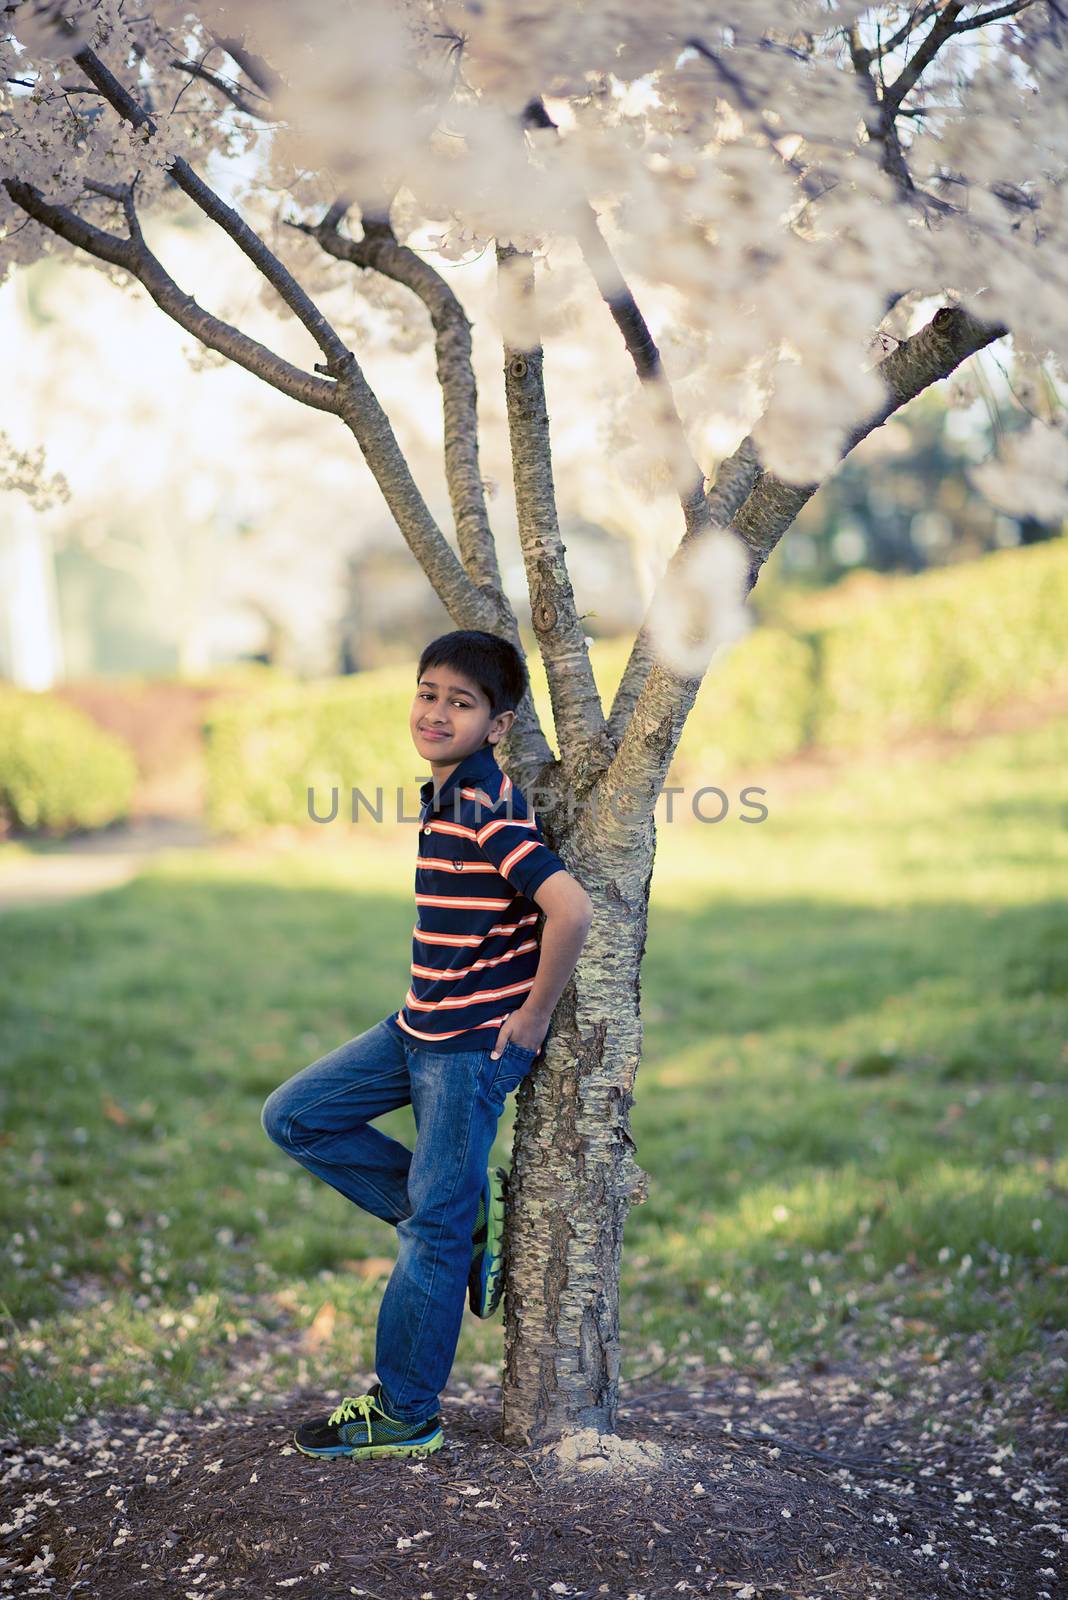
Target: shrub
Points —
{"points": [[943, 648], [267, 750], [58, 772]]}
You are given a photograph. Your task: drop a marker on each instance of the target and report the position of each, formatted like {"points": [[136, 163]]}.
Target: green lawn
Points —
{"points": [[852, 1106]]}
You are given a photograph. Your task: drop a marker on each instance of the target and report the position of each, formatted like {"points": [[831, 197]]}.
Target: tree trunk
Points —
{"points": [[574, 1175]]}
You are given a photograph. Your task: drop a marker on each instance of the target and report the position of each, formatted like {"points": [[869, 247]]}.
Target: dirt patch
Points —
{"points": [[825, 1484], [590, 1451]]}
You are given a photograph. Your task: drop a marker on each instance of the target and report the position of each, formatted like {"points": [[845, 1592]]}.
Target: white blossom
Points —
{"points": [[1029, 475], [767, 227]]}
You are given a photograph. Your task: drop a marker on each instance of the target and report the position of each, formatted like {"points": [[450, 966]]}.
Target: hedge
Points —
{"points": [[58, 770], [936, 650], [943, 648], [266, 751]]}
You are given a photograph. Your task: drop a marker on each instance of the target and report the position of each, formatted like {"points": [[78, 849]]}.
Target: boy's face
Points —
{"points": [[451, 717]]}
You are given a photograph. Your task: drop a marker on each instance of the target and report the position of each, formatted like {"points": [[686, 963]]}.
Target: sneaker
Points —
{"points": [[360, 1427], [485, 1283]]}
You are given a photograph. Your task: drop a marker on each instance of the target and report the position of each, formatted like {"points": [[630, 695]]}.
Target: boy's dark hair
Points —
{"points": [[493, 663]]}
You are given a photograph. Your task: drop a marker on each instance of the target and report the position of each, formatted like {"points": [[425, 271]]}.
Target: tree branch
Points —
{"points": [[942, 28], [886, 102], [577, 712], [733, 483], [133, 255], [736, 476], [998, 15], [359, 407], [645, 355], [637, 337], [881, 126], [256, 70], [230, 90], [213, 206], [379, 251], [916, 20]]}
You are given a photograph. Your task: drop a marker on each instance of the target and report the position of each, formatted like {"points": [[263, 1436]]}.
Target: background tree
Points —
{"points": [[789, 184], [941, 483]]}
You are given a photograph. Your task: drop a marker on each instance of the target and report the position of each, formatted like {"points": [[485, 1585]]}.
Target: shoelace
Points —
{"points": [[353, 1406]]}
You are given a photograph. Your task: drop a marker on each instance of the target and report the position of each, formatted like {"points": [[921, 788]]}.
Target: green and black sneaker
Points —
{"points": [[360, 1427], [485, 1283]]}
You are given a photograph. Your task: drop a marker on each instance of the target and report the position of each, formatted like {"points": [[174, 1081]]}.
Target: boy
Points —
{"points": [[473, 1023]]}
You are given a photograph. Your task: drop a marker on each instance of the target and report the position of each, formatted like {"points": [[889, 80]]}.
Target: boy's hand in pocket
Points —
{"points": [[523, 1028]]}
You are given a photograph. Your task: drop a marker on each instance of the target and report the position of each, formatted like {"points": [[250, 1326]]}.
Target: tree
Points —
{"points": [[777, 180]]}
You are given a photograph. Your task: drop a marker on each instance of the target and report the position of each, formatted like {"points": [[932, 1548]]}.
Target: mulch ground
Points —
{"points": [[819, 1486]]}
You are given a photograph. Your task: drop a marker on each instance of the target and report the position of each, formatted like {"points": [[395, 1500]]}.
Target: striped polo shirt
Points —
{"points": [[475, 943]]}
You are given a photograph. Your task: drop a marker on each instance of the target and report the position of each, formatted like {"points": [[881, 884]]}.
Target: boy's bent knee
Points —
{"points": [[273, 1119]]}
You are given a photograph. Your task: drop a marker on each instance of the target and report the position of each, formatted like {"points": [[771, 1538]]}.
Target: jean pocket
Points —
{"points": [[508, 1072]]}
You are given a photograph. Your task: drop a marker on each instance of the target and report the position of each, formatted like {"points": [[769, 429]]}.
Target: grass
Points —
{"points": [[852, 1103]]}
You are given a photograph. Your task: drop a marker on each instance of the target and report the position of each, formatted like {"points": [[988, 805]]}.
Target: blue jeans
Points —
{"points": [[321, 1117]]}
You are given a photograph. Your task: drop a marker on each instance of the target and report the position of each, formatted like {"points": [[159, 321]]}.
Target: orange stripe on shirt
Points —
{"points": [[465, 1001], [517, 854], [477, 794], [417, 1033], [502, 822], [426, 937], [458, 904], [476, 966], [457, 830], [442, 864]]}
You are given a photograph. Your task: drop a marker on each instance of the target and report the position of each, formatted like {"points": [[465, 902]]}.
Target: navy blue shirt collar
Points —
{"points": [[481, 763]]}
